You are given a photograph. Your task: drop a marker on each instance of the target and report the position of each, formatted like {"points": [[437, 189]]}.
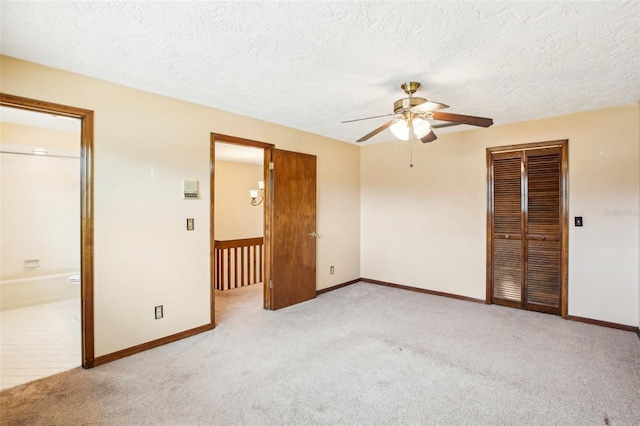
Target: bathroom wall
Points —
{"points": [[235, 217], [56, 140], [39, 217]]}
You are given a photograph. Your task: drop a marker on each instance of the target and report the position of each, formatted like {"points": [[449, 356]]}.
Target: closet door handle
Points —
{"points": [[543, 238], [507, 236]]}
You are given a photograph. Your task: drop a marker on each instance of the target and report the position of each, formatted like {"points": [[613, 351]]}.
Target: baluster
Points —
{"points": [[260, 271], [228, 268], [242, 266], [217, 257], [254, 265]]}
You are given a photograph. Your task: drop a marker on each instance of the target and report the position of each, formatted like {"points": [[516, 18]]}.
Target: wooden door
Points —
{"points": [[293, 226], [543, 230], [507, 229], [528, 228]]}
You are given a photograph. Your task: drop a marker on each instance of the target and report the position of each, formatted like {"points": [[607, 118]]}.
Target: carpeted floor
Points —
{"points": [[360, 355]]}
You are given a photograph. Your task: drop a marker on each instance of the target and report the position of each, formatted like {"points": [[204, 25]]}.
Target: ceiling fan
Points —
{"points": [[413, 115]]}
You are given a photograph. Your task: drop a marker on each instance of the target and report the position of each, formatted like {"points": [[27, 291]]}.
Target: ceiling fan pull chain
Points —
{"points": [[411, 153]]}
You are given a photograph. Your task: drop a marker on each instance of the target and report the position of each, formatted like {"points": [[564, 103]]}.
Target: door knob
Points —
{"points": [[543, 238], [313, 234], [507, 236]]}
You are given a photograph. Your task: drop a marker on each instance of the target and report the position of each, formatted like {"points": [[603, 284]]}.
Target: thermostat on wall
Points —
{"points": [[189, 189]]}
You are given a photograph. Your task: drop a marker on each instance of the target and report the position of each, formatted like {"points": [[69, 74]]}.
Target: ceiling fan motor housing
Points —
{"points": [[402, 105]]}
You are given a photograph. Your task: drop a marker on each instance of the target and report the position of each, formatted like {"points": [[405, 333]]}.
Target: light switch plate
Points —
{"points": [[190, 226], [577, 220]]}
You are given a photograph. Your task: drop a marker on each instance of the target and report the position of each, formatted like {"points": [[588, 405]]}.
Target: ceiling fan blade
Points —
{"points": [[429, 137], [375, 132], [368, 118], [463, 119], [430, 106], [441, 125]]}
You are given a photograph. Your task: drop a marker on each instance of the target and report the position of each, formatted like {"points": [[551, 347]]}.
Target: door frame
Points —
{"points": [[268, 212], [86, 208], [563, 144]]}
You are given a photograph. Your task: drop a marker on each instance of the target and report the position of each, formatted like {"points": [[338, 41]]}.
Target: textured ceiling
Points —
{"points": [[311, 65]]}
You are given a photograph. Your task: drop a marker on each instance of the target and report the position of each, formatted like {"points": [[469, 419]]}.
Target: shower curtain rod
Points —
{"points": [[39, 155]]}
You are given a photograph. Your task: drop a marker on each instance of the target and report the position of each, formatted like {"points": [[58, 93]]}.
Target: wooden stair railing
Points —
{"points": [[238, 262]]}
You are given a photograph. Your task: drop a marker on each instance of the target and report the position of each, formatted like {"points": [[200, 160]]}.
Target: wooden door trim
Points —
{"points": [[267, 299], [86, 208], [564, 245], [219, 137], [527, 146], [489, 248], [563, 144], [267, 206]]}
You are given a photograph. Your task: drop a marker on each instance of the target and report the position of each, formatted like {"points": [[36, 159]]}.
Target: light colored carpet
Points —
{"points": [[360, 355]]}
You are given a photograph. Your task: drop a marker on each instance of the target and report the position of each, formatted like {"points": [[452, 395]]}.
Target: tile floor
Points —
{"points": [[39, 341]]}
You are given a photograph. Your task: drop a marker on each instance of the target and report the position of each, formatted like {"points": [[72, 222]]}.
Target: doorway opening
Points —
{"points": [[240, 237], [239, 249], [47, 263], [289, 200]]}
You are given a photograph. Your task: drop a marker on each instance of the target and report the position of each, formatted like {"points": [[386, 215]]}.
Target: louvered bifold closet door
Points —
{"points": [[543, 230], [507, 229]]}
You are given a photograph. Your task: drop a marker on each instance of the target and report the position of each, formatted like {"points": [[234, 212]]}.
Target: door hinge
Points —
{"points": [[270, 284], [271, 165]]}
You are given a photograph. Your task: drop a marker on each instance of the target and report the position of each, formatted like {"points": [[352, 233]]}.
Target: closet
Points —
{"points": [[527, 226]]}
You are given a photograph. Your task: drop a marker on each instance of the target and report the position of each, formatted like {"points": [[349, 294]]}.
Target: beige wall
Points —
{"points": [[235, 217], [426, 226], [145, 144]]}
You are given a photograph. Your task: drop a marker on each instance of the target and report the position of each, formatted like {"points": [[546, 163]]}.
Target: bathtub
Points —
{"points": [[35, 290]]}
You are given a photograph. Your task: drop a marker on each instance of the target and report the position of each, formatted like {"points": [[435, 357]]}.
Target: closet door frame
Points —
{"points": [[564, 214]]}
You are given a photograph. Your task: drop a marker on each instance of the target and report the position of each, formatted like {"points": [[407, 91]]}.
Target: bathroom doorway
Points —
{"points": [[46, 303]]}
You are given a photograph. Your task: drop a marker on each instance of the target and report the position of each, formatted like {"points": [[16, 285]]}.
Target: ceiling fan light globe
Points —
{"points": [[420, 127], [400, 129]]}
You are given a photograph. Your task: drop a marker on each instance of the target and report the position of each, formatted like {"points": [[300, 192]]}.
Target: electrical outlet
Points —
{"points": [[159, 312], [332, 270]]}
